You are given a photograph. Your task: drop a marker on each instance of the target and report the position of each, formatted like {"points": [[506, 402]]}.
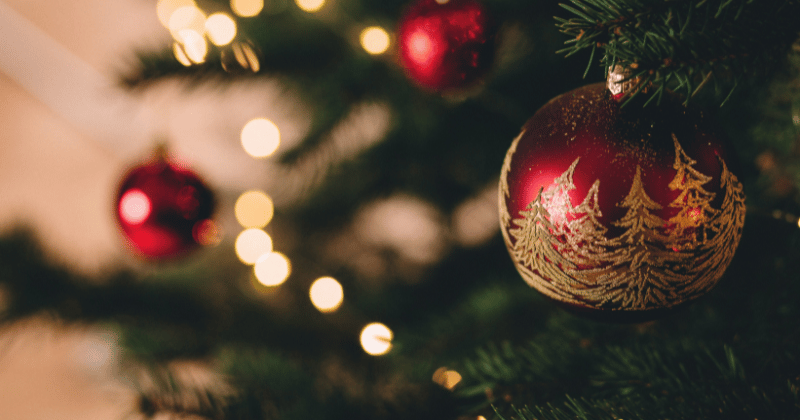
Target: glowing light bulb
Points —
{"points": [[247, 8], [446, 378], [194, 45], [310, 6], [376, 339], [165, 9], [134, 207], [180, 54], [220, 28], [326, 294], [272, 269], [251, 244], [375, 40], [260, 137], [254, 209], [798, 222], [187, 18]]}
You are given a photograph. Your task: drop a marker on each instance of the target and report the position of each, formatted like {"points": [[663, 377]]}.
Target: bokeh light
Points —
{"points": [[260, 137], [165, 9], [375, 40], [247, 8], [376, 339], [180, 54], [194, 45], [134, 207], [272, 269], [220, 28], [446, 378], [254, 209], [326, 294], [251, 244], [207, 233], [310, 6], [187, 18]]}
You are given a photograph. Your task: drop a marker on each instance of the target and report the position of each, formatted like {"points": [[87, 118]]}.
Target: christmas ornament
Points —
{"points": [[164, 209], [446, 44], [619, 213]]}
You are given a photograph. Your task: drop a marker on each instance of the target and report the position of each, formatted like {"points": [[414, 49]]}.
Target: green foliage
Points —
{"points": [[685, 44]]}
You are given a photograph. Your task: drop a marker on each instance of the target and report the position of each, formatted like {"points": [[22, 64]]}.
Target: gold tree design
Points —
{"points": [[693, 202], [536, 247], [639, 276]]}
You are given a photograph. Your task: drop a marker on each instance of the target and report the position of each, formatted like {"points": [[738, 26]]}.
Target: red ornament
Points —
{"points": [[446, 44], [619, 213], [164, 210]]}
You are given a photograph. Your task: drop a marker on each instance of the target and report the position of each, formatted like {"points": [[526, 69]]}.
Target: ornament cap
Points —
{"points": [[621, 82]]}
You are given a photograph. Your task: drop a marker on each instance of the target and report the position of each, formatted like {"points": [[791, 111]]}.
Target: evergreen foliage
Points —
{"points": [[733, 354]]}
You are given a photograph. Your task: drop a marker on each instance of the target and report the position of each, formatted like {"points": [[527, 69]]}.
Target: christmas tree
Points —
{"points": [[384, 200]]}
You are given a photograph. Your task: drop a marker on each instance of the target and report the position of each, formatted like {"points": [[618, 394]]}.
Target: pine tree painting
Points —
{"points": [[693, 202]]}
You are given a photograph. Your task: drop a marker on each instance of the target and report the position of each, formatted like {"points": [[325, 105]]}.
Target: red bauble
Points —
{"points": [[619, 213], [446, 44], [164, 209]]}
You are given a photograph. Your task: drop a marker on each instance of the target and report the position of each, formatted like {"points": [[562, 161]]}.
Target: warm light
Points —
{"points": [[480, 418], [180, 54], [376, 339], [247, 8], [187, 18], [446, 378], [251, 244], [326, 294], [798, 222], [420, 47], [247, 57], [193, 45], [260, 137], [207, 233], [272, 269], [165, 9], [375, 40], [134, 207], [220, 28], [254, 209], [310, 5]]}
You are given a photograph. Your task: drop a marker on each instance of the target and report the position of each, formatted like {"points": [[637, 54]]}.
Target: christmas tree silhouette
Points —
{"points": [[693, 202]]}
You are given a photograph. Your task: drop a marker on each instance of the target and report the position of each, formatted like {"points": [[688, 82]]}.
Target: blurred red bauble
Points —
{"points": [[164, 210], [620, 214], [446, 44]]}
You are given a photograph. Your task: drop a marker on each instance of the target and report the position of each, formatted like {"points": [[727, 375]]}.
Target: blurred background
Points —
{"points": [[358, 183]]}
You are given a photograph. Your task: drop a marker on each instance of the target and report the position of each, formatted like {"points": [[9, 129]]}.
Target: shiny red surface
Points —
{"points": [[446, 46], [159, 206], [611, 141]]}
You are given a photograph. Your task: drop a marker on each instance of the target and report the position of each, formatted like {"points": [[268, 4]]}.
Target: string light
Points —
{"points": [[260, 137], [310, 6], [375, 40], [247, 8], [251, 244], [180, 55], [187, 17], [254, 209], [376, 339], [194, 45], [220, 28], [326, 294], [446, 378], [165, 9], [272, 269]]}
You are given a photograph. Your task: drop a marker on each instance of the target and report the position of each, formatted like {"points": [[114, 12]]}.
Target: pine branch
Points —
{"points": [[686, 44]]}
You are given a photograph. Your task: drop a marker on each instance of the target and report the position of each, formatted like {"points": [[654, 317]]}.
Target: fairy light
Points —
{"points": [[375, 40], [260, 137], [220, 28], [272, 269], [254, 209], [165, 9], [310, 6], [247, 8], [180, 54], [376, 339], [326, 294], [251, 244], [187, 17], [194, 45], [446, 378]]}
